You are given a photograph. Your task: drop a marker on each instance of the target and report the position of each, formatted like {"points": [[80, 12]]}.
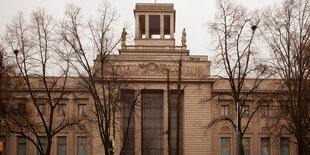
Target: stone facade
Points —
{"points": [[144, 66]]}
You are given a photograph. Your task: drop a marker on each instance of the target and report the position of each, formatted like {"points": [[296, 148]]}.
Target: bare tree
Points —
{"points": [[103, 78], [35, 50], [234, 31], [287, 30]]}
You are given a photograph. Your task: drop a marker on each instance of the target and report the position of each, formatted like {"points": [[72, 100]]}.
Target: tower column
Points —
{"points": [[162, 27], [171, 27], [147, 30], [138, 33]]}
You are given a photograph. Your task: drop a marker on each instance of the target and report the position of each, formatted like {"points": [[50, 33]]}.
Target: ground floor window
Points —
{"points": [[225, 146], [265, 146], [62, 145], [284, 146], [21, 146], [152, 123], [82, 145], [246, 142], [43, 143]]}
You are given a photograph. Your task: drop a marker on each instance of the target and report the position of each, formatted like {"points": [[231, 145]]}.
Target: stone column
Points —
{"points": [[162, 27], [138, 129], [137, 27], [171, 26], [166, 108], [147, 30]]}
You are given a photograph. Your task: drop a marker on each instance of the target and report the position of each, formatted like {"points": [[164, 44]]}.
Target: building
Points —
{"points": [[144, 66]]}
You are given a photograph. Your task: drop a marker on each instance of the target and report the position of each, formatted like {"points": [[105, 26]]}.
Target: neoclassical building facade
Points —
{"points": [[145, 65]]}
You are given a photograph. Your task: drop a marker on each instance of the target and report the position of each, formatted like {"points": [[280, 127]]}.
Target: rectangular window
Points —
{"points": [[42, 108], [246, 142], [245, 110], [62, 109], [2, 139], [284, 146], [82, 145], [173, 121], [264, 111], [224, 110], [21, 146], [265, 146], [43, 143], [152, 123], [225, 146], [62, 145], [128, 99], [82, 110]]}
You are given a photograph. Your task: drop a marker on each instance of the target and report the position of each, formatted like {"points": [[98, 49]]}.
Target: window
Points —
{"points": [[82, 110], [42, 108], [2, 139], [224, 110], [284, 146], [21, 146], [264, 111], [225, 146], [245, 110], [82, 145], [265, 146], [43, 143], [152, 123], [246, 142], [128, 98], [62, 109], [62, 145]]}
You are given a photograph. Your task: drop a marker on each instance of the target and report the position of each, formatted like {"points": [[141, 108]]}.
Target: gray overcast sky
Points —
{"points": [[190, 14]]}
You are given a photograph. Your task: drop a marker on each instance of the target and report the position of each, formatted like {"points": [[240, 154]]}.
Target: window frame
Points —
{"points": [[78, 144], [249, 145], [229, 145], [225, 110], [61, 144], [62, 111], [264, 111], [288, 144], [43, 143], [42, 105], [269, 149], [245, 111], [21, 143], [83, 114]]}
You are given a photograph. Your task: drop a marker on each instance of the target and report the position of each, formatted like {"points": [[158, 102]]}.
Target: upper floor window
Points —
{"points": [[224, 110], [82, 110], [42, 108], [264, 111], [62, 109], [245, 110]]}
